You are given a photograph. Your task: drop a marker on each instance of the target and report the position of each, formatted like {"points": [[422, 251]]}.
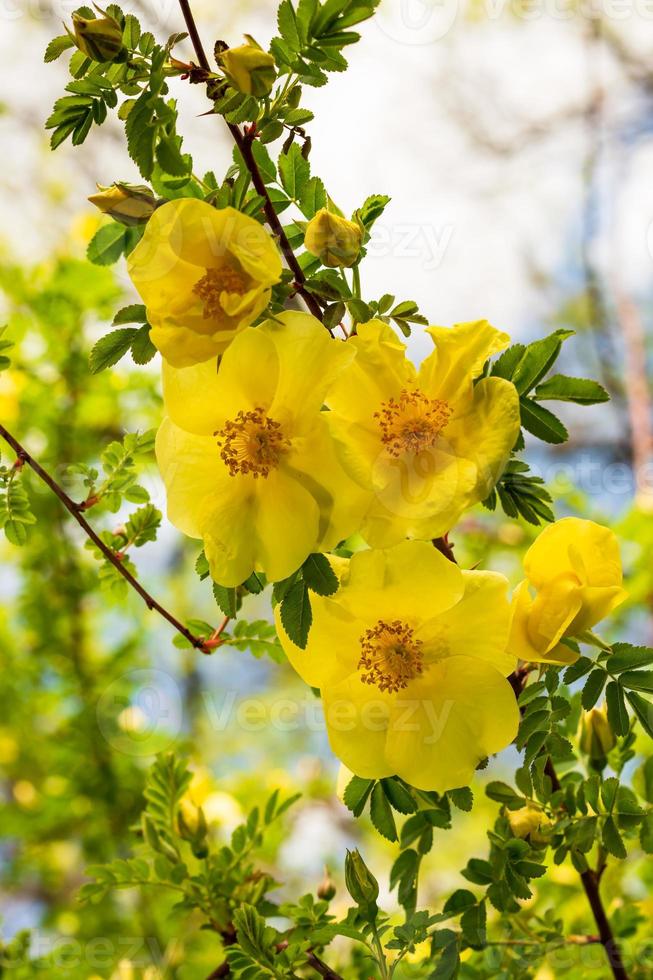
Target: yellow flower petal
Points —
{"points": [[487, 432], [585, 548], [459, 355], [524, 643], [226, 522], [379, 371], [419, 495], [449, 719], [477, 626], [190, 468], [200, 398], [333, 647], [286, 525], [357, 720], [412, 581], [309, 360]]}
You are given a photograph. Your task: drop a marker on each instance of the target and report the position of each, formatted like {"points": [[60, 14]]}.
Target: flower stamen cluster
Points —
{"points": [[412, 422], [217, 281], [252, 443], [391, 655]]}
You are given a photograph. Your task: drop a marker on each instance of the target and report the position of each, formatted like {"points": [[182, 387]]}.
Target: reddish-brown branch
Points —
{"points": [[243, 141], [590, 880], [76, 510]]}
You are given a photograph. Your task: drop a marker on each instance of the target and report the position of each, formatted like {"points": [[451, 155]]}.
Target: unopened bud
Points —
{"points": [[595, 735], [334, 240], [191, 822], [249, 68], [361, 883], [528, 822], [129, 204], [99, 38], [327, 888]]}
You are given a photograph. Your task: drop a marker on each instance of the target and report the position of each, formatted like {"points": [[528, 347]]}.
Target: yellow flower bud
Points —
{"points": [[527, 822], [334, 240], [249, 68], [130, 204], [99, 38], [596, 737], [191, 821]]}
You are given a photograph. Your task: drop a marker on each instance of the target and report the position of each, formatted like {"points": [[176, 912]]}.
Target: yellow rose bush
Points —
{"points": [[574, 568], [344, 500], [410, 658], [246, 455], [204, 274], [428, 443]]}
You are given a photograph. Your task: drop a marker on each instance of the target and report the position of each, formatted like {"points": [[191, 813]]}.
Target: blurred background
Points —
{"points": [[516, 142]]}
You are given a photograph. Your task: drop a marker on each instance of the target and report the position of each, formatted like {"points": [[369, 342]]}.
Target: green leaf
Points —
{"points": [[170, 157], [399, 797], [371, 209], [643, 709], [462, 798], [319, 576], [627, 657], [448, 964], [646, 833], [505, 794], [617, 712], [57, 46], [478, 871], [537, 359], [381, 814], [637, 680], [473, 924], [582, 391], [294, 171], [226, 599], [111, 348], [313, 197], [296, 614], [357, 793], [612, 840], [578, 669], [593, 687], [540, 422], [142, 348], [107, 245], [135, 313]]}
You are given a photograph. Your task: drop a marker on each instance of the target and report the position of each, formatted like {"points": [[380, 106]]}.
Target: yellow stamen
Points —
{"points": [[252, 443], [391, 656], [412, 422], [209, 288]]}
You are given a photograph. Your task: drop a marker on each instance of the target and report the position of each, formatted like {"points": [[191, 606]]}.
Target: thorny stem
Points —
{"points": [[244, 141], [76, 510]]}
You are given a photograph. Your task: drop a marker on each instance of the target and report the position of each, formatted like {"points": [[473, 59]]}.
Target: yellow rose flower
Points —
{"points": [[409, 656], [246, 455], [428, 443], [204, 274], [575, 568]]}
